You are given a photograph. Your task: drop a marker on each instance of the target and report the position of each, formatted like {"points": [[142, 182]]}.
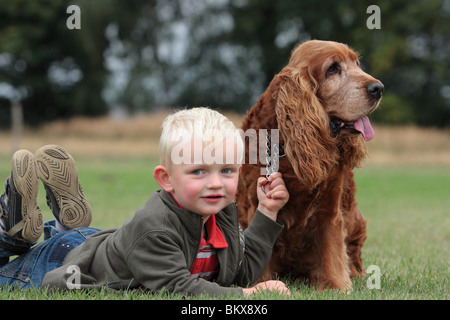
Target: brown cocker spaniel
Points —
{"points": [[319, 103]]}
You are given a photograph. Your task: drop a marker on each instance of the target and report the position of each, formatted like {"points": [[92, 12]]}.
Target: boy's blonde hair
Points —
{"points": [[209, 126]]}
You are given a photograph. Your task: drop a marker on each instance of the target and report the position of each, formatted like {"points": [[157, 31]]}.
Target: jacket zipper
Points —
{"points": [[236, 266], [197, 243]]}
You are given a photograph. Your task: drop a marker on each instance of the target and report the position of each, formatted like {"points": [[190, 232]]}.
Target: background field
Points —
{"points": [[403, 191]]}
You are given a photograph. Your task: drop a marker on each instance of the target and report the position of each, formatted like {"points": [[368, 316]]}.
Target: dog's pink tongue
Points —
{"points": [[363, 125]]}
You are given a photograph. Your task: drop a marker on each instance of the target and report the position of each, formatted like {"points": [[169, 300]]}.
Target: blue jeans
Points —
{"points": [[35, 261]]}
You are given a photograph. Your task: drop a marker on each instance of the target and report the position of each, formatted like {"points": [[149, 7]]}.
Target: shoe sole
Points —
{"points": [[26, 184], [58, 171]]}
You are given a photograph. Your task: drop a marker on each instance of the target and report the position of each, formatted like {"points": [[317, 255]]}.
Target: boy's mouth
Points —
{"points": [[212, 198]]}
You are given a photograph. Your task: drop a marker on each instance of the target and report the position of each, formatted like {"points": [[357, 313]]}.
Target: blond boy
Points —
{"points": [[186, 239]]}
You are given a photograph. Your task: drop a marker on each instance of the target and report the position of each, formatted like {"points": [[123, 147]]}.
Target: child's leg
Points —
{"points": [[21, 218], [58, 172], [30, 268]]}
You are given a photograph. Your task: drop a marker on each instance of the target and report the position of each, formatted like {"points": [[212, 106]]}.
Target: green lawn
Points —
{"points": [[407, 209]]}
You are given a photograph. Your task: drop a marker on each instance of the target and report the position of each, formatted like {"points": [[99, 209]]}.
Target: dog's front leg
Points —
{"points": [[334, 270]]}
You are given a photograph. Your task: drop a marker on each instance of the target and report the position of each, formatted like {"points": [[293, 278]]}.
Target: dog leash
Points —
{"points": [[271, 163]]}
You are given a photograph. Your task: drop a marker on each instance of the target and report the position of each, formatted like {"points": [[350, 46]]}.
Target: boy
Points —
{"points": [[185, 239]]}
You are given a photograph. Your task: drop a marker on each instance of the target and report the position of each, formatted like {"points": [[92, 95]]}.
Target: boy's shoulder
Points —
{"points": [[154, 213], [161, 214]]}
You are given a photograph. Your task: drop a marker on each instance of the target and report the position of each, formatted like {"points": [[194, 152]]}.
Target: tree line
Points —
{"points": [[148, 55]]}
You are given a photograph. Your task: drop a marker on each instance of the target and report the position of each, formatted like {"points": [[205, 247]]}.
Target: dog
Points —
{"points": [[320, 104]]}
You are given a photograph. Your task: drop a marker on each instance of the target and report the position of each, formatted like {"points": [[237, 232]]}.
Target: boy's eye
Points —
{"points": [[197, 172], [227, 171]]}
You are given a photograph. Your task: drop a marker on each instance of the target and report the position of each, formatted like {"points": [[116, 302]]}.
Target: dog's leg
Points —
{"points": [[355, 241], [334, 271]]}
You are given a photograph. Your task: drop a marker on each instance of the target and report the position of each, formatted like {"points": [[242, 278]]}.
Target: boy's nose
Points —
{"points": [[214, 181]]}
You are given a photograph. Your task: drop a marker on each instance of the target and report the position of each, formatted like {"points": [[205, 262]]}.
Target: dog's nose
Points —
{"points": [[375, 89]]}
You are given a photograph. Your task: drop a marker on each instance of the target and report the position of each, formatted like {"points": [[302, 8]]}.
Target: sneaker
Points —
{"points": [[57, 170], [21, 217]]}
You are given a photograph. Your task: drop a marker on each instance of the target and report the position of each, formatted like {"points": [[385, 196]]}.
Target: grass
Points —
{"points": [[403, 192], [406, 210], [408, 230]]}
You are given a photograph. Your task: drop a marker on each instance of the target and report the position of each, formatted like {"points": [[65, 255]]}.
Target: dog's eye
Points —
{"points": [[333, 69]]}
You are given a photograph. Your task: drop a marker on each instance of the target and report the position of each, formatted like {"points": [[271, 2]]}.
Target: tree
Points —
{"points": [[56, 72], [409, 53], [152, 54], [177, 53]]}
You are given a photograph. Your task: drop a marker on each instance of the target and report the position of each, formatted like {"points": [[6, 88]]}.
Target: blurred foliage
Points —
{"points": [[55, 72], [152, 54]]}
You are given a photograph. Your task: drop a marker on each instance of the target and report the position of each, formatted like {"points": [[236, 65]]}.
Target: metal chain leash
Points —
{"points": [[270, 168], [271, 162]]}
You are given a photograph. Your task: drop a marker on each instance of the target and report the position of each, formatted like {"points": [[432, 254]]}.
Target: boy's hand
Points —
{"points": [[275, 196], [272, 285]]}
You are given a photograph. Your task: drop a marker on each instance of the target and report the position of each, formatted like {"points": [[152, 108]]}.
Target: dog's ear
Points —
{"points": [[304, 127]]}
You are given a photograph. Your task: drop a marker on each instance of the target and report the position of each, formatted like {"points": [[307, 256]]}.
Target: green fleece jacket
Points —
{"points": [[156, 248]]}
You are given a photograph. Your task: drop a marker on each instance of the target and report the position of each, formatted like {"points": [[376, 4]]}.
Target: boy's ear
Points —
{"points": [[162, 177]]}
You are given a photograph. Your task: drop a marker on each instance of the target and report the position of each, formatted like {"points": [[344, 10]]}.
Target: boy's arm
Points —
{"points": [[263, 231], [260, 237]]}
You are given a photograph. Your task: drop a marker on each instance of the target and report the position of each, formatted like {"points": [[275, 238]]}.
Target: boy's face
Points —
{"points": [[204, 188]]}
